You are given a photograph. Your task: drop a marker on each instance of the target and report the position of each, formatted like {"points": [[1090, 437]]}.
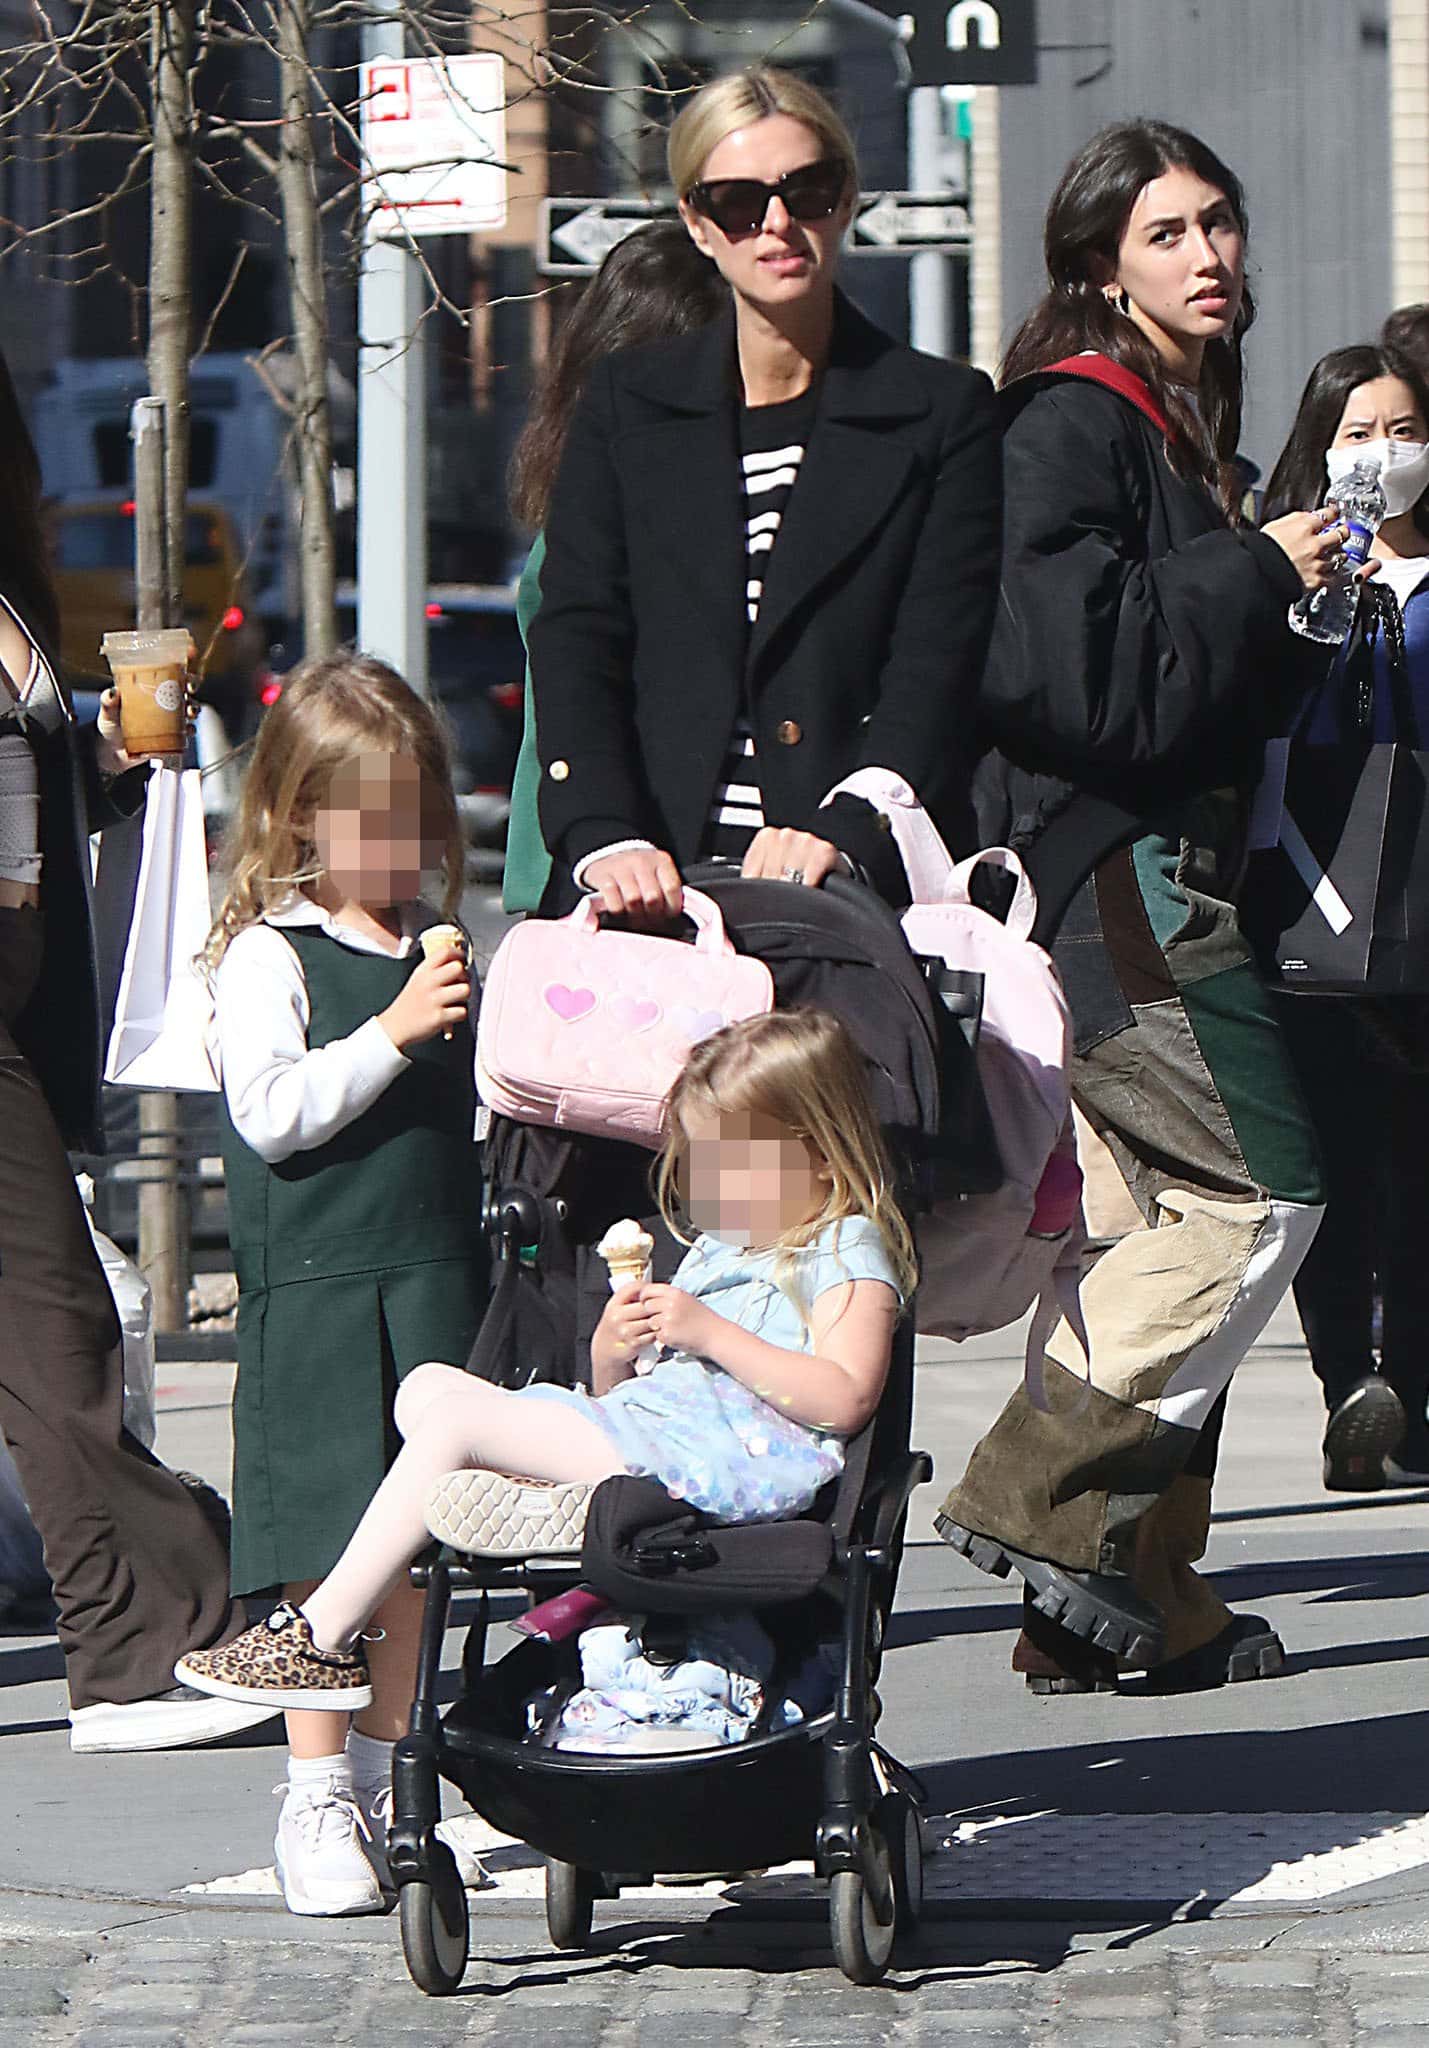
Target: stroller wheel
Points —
{"points": [[436, 1927], [896, 1818], [863, 1943], [570, 1903]]}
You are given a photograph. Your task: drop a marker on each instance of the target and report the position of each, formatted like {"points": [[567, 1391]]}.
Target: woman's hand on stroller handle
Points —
{"points": [[780, 853]]}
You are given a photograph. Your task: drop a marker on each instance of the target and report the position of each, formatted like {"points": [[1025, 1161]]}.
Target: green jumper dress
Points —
{"points": [[356, 1261]]}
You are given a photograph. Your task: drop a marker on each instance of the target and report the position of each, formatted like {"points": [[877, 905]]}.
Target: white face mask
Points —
{"points": [[1403, 470]]}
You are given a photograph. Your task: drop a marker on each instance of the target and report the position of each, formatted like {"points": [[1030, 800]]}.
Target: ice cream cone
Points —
{"points": [[627, 1249], [445, 942], [438, 940]]}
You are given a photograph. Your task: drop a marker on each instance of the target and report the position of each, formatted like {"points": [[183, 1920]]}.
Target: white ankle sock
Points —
{"points": [[307, 1773], [370, 1761]]}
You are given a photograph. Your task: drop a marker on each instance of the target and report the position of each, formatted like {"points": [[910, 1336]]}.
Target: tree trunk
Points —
{"points": [[171, 265], [302, 224]]}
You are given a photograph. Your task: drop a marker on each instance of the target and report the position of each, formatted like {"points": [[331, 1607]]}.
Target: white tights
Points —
{"points": [[449, 1422]]}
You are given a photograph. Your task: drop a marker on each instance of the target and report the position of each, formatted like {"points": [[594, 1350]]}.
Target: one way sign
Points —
{"points": [[901, 223], [578, 234]]}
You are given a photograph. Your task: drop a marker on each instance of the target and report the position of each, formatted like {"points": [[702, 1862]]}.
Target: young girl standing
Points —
{"points": [[776, 1335], [354, 1185]]}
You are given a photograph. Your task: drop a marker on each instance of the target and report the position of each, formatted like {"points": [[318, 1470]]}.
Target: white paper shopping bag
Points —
{"points": [[163, 1004]]}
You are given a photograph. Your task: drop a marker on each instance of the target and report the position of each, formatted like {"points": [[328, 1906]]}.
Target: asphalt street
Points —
{"points": [[1243, 1865]]}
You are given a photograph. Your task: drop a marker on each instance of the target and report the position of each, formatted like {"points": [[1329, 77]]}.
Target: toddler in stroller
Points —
{"points": [[776, 1339]]}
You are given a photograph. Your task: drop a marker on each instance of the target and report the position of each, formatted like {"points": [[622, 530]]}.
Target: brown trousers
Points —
{"points": [[139, 1575]]}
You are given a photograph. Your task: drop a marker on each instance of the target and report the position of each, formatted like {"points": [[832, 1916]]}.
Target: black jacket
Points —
{"points": [[874, 618], [1141, 654], [61, 1031]]}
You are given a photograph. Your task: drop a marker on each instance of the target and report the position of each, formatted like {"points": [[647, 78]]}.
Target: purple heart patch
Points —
{"points": [[569, 1004], [696, 1024], [631, 1013]]}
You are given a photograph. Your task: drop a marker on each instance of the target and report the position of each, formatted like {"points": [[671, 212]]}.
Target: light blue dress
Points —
{"points": [[705, 1436]]}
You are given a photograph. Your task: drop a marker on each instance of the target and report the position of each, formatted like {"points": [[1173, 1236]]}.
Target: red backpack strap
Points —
{"points": [[1097, 369]]}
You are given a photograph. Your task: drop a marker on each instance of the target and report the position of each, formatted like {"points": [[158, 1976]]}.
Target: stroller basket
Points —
{"points": [[729, 1807]]}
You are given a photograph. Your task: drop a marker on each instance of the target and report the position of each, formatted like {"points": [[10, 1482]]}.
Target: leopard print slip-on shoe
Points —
{"points": [[277, 1664]]}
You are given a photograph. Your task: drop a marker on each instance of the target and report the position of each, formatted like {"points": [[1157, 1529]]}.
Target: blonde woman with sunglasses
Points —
{"points": [[772, 549]]}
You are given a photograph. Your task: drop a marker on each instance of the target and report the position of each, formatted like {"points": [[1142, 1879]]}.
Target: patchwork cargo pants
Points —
{"points": [[1181, 1068]]}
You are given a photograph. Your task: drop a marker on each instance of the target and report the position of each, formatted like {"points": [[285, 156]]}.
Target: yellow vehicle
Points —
{"points": [[92, 552]]}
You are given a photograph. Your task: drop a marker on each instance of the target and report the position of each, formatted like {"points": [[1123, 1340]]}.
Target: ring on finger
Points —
{"points": [[791, 874]]}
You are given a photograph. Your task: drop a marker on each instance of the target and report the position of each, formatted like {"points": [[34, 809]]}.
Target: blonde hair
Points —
{"points": [[737, 101], [332, 709], [802, 1069]]}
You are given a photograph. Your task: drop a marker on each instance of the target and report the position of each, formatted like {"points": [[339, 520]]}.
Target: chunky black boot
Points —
{"points": [[1102, 1607]]}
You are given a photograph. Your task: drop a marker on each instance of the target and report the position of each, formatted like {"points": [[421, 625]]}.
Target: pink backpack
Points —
{"points": [[586, 1029], [986, 1259]]}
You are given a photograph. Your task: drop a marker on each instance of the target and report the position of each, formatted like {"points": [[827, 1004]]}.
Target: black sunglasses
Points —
{"points": [[737, 206]]}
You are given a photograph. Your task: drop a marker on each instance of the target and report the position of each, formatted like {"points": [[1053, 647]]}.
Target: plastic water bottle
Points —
{"points": [[1328, 613]]}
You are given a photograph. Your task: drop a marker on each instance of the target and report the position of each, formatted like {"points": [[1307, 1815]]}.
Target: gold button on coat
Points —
{"points": [[559, 770], [789, 732]]}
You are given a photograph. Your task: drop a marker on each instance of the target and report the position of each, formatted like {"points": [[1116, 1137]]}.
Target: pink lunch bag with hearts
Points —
{"points": [[586, 1029]]}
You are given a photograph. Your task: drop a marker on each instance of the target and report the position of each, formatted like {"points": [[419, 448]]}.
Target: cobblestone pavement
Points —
{"points": [[141, 1990]]}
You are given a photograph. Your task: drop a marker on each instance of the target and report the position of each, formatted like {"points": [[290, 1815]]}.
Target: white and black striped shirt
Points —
{"points": [[772, 439]]}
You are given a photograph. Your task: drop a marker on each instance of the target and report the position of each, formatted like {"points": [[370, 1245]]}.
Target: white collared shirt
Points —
{"points": [[283, 1095]]}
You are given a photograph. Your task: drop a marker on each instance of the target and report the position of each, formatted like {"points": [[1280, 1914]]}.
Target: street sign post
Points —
{"points": [[899, 223], [974, 42], [433, 140], [434, 136]]}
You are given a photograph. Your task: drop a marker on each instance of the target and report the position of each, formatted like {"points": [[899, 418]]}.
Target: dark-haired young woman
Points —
{"points": [[139, 1573], [1364, 1064], [653, 286], [1129, 693]]}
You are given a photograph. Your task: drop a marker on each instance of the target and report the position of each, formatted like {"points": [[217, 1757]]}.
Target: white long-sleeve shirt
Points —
{"points": [[283, 1095]]}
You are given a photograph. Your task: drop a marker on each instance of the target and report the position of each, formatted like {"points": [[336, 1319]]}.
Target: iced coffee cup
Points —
{"points": [[150, 671]]}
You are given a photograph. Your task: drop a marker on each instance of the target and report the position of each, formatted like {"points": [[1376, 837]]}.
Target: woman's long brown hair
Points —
{"points": [[651, 287], [1086, 221]]}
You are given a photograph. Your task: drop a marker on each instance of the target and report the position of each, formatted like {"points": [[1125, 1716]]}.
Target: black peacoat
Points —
{"points": [[873, 625]]}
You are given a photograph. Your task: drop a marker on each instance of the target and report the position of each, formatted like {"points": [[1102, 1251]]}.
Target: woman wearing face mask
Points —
{"points": [[771, 549], [1137, 668], [1364, 1065]]}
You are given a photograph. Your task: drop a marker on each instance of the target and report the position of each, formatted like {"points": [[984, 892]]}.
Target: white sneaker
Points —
{"points": [[179, 1719], [321, 1853]]}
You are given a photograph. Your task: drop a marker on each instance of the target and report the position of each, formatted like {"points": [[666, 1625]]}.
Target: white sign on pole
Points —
{"points": [[434, 135]]}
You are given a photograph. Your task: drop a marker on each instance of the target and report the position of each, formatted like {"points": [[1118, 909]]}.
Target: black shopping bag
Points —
{"points": [[1338, 896]]}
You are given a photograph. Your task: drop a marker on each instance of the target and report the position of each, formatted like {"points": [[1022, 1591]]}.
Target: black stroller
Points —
{"points": [[822, 1788]]}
